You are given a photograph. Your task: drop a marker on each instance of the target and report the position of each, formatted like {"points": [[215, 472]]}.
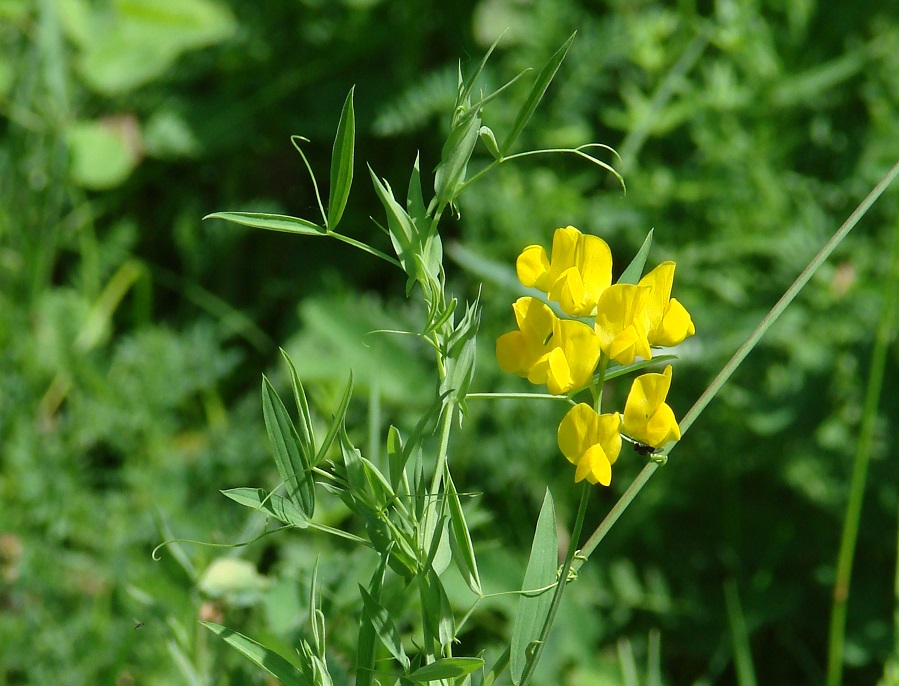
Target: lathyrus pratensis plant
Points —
{"points": [[581, 332]]}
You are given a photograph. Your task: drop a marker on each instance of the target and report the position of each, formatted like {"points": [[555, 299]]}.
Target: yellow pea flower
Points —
{"points": [[546, 350], [621, 322], [578, 272], [647, 417], [590, 441], [669, 323]]}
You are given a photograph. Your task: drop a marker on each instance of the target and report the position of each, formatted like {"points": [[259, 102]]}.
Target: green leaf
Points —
{"points": [[336, 423], [307, 432], [403, 234], [436, 608], [466, 88], [271, 222], [498, 668], [540, 573], [342, 163], [100, 152], [271, 503], [463, 550], [292, 467], [489, 140], [415, 203], [365, 649], [635, 269], [544, 78], [456, 153], [384, 627], [446, 668], [615, 371], [269, 660], [396, 457]]}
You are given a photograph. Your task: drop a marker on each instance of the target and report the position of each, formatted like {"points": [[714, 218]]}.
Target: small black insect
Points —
{"points": [[138, 624], [641, 449]]}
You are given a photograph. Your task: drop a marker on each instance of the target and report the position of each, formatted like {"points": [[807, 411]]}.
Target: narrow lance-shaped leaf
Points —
{"points": [[384, 627], [540, 573], [267, 659], [365, 649], [296, 474], [544, 78], [463, 551], [307, 432], [272, 504], [336, 423], [396, 457], [446, 668], [634, 270], [271, 222], [450, 173], [342, 163]]}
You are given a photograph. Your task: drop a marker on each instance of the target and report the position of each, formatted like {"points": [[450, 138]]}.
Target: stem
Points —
{"points": [[859, 474], [739, 356], [531, 664], [367, 248], [786, 299]]}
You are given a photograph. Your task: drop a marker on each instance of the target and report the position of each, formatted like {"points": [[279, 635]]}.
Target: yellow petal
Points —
{"points": [[659, 281], [576, 430], [675, 327], [511, 353], [595, 264], [568, 291], [594, 466], [621, 323], [647, 418], [580, 345], [532, 265]]}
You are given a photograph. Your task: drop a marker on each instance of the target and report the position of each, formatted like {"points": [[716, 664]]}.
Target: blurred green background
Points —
{"points": [[133, 335]]}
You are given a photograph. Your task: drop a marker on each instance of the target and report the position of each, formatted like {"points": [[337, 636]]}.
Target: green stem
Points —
{"points": [[859, 474], [363, 246], [531, 664], [739, 356]]}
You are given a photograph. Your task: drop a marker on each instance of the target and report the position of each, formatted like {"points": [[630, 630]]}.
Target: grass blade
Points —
{"points": [[635, 268], [446, 668], [336, 422]]}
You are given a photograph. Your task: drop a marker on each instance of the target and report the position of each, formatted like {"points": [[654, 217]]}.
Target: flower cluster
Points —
{"points": [[628, 320]]}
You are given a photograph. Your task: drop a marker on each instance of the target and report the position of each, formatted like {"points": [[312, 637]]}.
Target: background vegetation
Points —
{"points": [[132, 335]]}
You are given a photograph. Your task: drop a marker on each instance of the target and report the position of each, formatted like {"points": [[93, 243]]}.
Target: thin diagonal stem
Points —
{"points": [[744, 350]]}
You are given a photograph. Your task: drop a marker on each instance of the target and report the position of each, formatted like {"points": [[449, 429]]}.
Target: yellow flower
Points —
{"points": [[579, 271], [621, 322], [592, 442], [547, 350], [669, 323], [647, 417]]}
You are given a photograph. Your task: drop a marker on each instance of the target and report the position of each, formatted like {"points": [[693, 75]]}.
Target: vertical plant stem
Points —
{"points": [[531, 665], [744, 350], [859, 473]]}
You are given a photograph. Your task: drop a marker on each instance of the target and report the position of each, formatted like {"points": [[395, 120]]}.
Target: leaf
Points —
{"points": [[635, 269], [403, 234], [544, 78], [342, 163], [446, 668], [307, 432], [384, 627], [415, 203], [436, 608], [269, 660], [541, 572], [396, 457], [498, 668], [292, 467], [456, 153], [489, 140], [463, 550], [336, 422], [271, 222], [365, 649], [271, 503]]}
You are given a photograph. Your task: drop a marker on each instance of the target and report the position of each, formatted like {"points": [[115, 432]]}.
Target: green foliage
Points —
{"points": [[132, 334]]}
